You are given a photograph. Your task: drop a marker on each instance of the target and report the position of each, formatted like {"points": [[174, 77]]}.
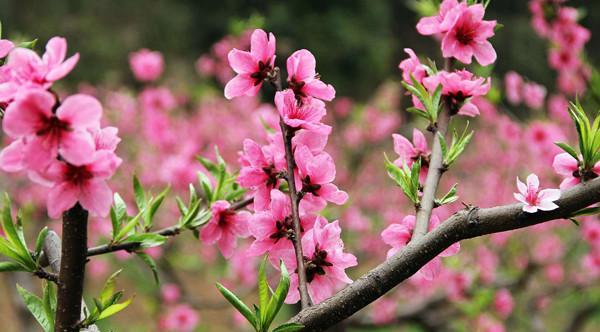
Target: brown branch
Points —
{"points": [[288, 134], [434, 172], [72, 269], [408, 261]]}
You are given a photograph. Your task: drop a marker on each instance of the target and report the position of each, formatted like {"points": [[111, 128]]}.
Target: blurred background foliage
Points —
{"points": [[359, 42]]}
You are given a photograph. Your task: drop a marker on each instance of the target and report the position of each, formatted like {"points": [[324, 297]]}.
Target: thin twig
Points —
{"points": [[434, 173]]}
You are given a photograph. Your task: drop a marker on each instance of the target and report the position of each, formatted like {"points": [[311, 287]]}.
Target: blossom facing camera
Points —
{"points": [[252, 68], [533, 198], [224, 227]]}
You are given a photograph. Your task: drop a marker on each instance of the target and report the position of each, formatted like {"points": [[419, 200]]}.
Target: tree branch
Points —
{"points": [[408, 261], [72, 269], [288, 134], [434, 172]]}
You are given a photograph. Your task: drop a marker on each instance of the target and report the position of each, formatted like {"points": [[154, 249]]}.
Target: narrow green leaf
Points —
{"points": [[289, 327], [109, 288], [147, 240], [140, 196], [263, 291], [35, 305], [114, 309], [49, 302], [39, 242], [129, 226], [238, 304], [276, 301], [151, 264], [568, 149], [11, 267]]}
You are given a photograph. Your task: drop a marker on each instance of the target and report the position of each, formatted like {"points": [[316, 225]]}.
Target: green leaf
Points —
{"points": [[35, 305], [155, 203], [206, 187], [276, 301], [443, 145], [202, 217], [11, 267], [289, 327], [450, 197], [263, 291], [28, 44], [140, 196], [109, 288], [568, 149], [39, 242], [586, 212], [49, 302], [147, 240], [113, 309], [151, 264], [238, 304], [129, 226]]}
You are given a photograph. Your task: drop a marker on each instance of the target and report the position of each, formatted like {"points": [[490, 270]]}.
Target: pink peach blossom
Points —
{"points": [[314, 178], [224, 227], [146, 65], [410, 152], [459, 87], [326, 262], [503, 302], [468, 37], [533, 198], [534, 95], [513, 86], [253, 67], [443, 21], [48, 134], [85, 184], [303, 78], [306, 114], [412, 67], [181, 318], [25, 69]]}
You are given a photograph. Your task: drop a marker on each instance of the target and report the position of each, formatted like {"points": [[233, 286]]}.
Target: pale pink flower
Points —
{"points": [[443, 21], [157, 99], [181, 318], [146, 65], [535, 199], [325, 263], [548, 249], [534, 95], [224, 227], [399, 235], [459, 87], [303, 78], [513, 85], [252, 68], [313, 178], [25, 69], [48, 134], [503, 302], [468, 37], [273, 229], [85, 184], [306, 114], [412, 67], [106, 138]]}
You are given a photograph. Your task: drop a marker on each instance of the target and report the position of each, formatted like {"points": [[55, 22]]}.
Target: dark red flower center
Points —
{"points": [[264, 70], [53, 126], [78, 174], [285, 229], [309, 187], [314, 266]]}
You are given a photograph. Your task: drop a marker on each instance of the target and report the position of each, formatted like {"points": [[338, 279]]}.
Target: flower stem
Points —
{"points": [[288, 134], [434, 173]]}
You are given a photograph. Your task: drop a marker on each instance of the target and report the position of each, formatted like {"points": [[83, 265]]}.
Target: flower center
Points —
{"points": [[314, 266], [78, 174], [309, 187], [264, 69], [285, 229], [465, 33], [53, 127]]}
